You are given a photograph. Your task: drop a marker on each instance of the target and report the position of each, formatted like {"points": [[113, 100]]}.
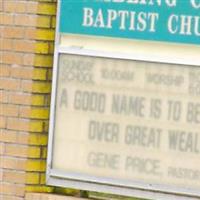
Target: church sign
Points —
{"points": [[157, 20], [127, 123]]}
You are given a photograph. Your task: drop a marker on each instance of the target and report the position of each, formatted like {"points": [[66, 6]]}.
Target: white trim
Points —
{"points": [[139, 57], [53, 96], [119, 190]]}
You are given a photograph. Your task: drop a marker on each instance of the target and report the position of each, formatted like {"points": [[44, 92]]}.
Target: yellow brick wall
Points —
{"points": [[17, 50], [41, 86], [27, 30]]}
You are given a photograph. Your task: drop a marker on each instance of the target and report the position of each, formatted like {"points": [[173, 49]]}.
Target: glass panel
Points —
{"points": [[130, 121]]}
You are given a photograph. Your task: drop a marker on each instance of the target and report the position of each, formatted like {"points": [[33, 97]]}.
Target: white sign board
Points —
{"points": [[126, 123]]}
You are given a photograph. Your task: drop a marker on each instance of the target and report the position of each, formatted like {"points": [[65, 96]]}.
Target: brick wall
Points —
{"points": [[26, 54]]}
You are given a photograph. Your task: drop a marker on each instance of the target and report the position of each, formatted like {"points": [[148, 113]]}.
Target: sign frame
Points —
{"points": [[57, 178]]}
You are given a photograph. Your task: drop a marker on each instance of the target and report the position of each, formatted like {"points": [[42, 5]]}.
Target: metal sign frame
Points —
{"points": [[91, 183]]}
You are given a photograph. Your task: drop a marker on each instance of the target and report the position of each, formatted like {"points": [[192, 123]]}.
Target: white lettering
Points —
{"points": [[170, 3], [88, 17], [123, 15], [186, 22], [197, 26], [195, 4], [153, 18], [99, 21], [172, 24], [112, 15]]}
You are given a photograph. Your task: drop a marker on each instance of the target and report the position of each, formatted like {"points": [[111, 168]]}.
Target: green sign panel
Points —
{"points": [[155, 20]]}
